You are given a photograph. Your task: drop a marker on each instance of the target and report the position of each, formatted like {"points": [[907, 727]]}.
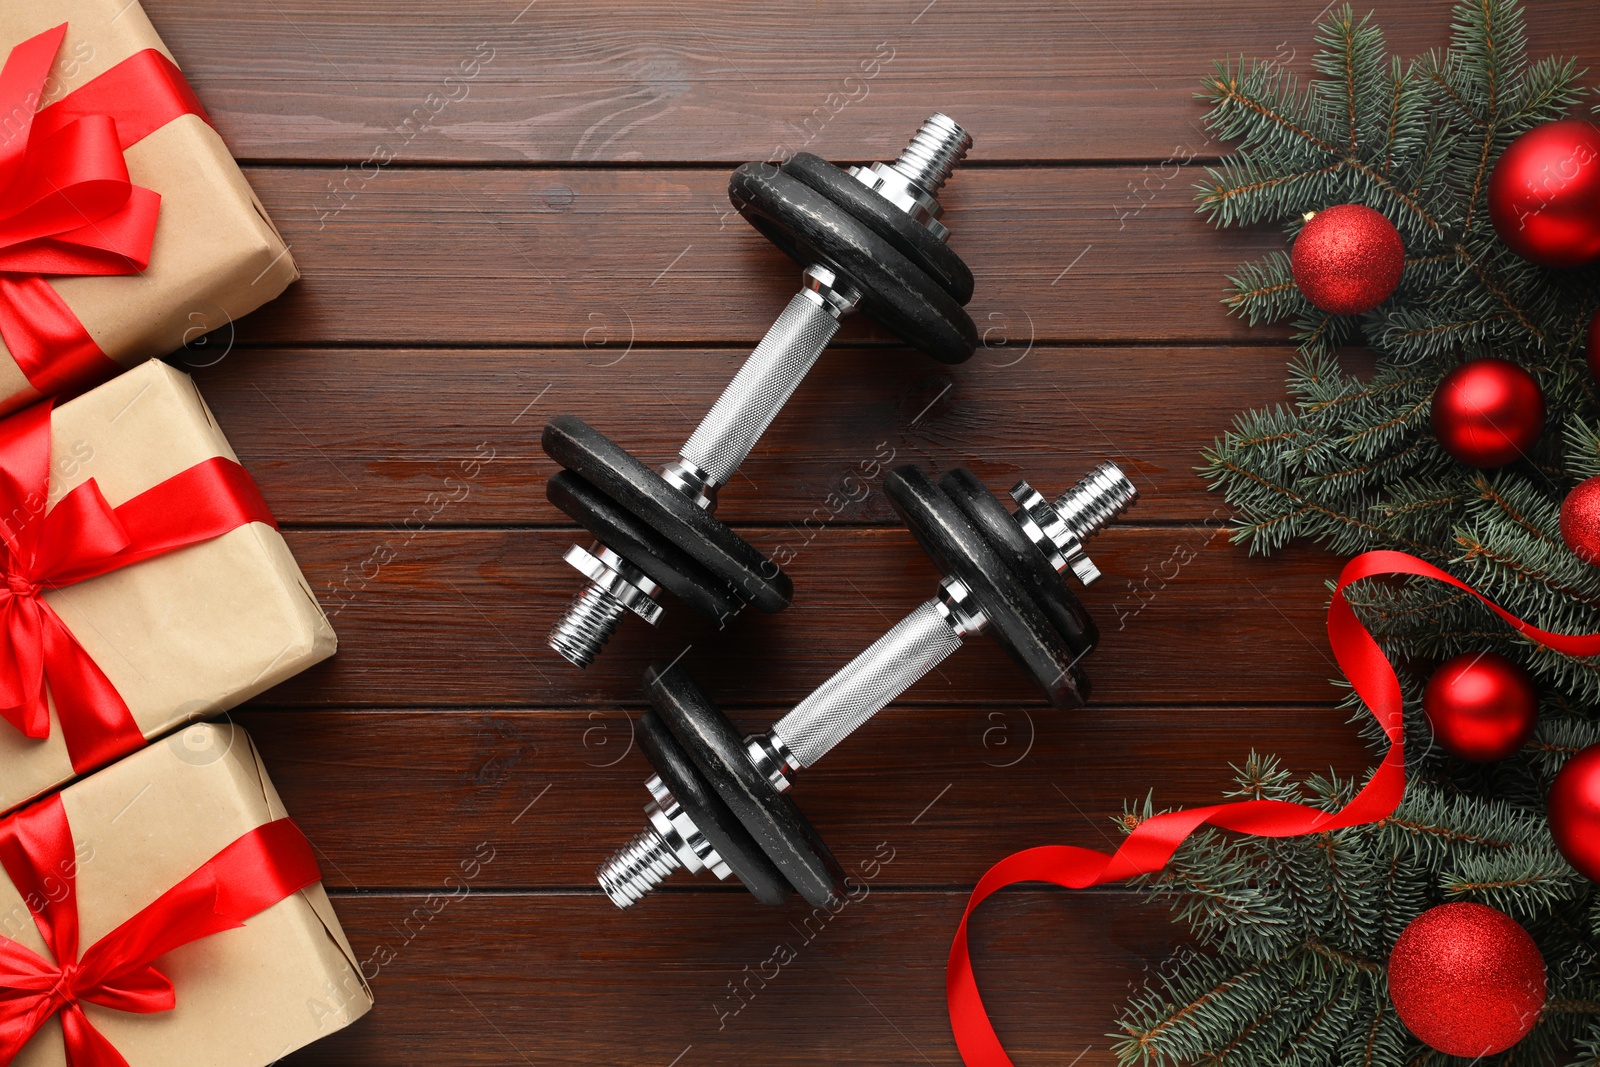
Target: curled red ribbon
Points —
{"points": [[80, 538], [36, 848], [67, 205], [1150, 845]]}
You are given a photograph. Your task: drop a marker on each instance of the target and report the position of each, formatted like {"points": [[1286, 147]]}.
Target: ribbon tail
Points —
{"points": [[86, 1046], [47, 340], [95, 721]]}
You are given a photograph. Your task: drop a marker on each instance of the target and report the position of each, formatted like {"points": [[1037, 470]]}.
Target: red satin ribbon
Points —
{"points": [[36, 848], [83, 537], [1152, 843], [67, 205]]}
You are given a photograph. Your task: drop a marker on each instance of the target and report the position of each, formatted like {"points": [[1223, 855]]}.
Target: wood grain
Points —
{"points": [[311, 80], [557, 791], [552, 978], [459, 617], [568, 257], [320, 432]]}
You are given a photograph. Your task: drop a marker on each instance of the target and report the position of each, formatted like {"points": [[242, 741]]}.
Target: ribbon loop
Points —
{"points": [[67, 203]]}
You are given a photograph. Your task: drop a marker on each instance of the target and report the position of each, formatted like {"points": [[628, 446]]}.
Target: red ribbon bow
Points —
{"points": [[255, 872], [1151, 844], [67, 205], [83, 537]]}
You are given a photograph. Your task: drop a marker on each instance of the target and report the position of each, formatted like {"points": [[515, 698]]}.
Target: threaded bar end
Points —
{"points": [[1099, 497], [636, 868], [582, 632], [934, 152]]}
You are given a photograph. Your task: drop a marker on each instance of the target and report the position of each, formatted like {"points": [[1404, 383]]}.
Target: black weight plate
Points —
{"points": [[640, 545], [963, 553], [609, 467], [787, 836], [813, 229], [935, 258], [1026, 560], [710, 814]]}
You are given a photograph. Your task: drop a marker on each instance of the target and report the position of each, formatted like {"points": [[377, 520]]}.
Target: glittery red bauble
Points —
{"points": [[1482, 707], [1544, 194], [1466, 979], [1347, 259], [1574, 807], [1580, 520], [1488, 412]]}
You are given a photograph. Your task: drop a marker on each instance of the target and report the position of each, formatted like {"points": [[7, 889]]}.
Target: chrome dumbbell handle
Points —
{"points": [[791, 346], [917, 644], [866, 685], [766, 381]]}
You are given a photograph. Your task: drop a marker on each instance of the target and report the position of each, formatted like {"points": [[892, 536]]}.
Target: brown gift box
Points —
{"points": [[245, 997], [184, 635], [216, 255]]}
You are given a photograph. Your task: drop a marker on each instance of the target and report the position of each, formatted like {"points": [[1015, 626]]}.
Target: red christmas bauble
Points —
{"points": [[1574, 807], [1347, 259], [1488, 412], [1544, 194], [1591, 346], [1482, 706], [1580, 520], [1467, 979]]}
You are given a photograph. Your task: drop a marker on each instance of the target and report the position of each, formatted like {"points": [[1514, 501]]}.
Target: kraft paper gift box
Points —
{"points": [[244, 997], [215, 255], [179, 636]]}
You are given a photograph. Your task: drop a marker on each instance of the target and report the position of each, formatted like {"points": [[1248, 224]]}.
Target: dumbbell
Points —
{"points": [[867, 238], [721, 803]]}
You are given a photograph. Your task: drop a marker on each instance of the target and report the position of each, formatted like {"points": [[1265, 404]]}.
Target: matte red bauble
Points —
{"points": [[1347, 259], [1488, 412], [1466, 979], [1544, 194], [1574, 807], [1580, 520], [1482, 706]]}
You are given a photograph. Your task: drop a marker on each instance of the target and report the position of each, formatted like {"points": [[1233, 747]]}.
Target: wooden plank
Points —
{"points": [[328, 435], [563, 256], [459, 617], [537, 979], [558, 791], [313, 80]]}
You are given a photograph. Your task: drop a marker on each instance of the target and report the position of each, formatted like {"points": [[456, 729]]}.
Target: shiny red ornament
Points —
{"points": [[1482, 707], [1580, 521], [1574, 807], [1488, 412], [1544, 194], [1347, 259], [1466, 979]]}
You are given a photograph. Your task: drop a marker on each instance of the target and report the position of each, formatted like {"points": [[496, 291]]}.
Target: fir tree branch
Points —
{"points": [[1345, 959], [1473, 549], [1572, 1007], [1442, 833], [1145, 1040]]}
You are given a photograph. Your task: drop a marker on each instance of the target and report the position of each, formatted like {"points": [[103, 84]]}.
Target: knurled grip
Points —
{"points": [[763, 385], [916, 645]]}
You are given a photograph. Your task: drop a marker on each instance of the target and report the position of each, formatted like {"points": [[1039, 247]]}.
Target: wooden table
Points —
{"points": [[504, 212]]}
